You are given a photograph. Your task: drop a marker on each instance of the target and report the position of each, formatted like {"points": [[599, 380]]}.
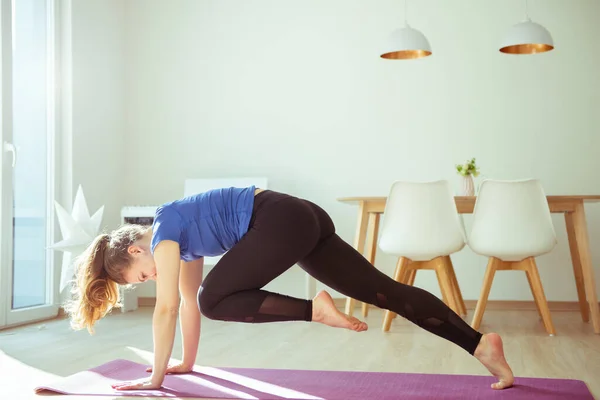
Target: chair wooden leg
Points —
{"points": [[447, 286], [365, 309], [392, 315], [443, 290], [485, 292], [537, 304], [400, 275], [411, 277], [456, 287], [458, 293], [412, 274], [437, 264], [538, 293]]}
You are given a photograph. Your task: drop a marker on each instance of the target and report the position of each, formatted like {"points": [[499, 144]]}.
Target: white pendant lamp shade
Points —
{"points": [[406, 43], [527, 38]]}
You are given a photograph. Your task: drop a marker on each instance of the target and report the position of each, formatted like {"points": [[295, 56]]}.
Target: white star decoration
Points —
{"points": [[78, 231]]}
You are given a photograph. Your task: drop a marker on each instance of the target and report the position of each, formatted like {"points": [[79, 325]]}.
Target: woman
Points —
{"points": [[262, 233]]}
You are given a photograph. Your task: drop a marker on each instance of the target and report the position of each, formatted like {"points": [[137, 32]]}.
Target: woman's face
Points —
{"points": [[143, 267]]}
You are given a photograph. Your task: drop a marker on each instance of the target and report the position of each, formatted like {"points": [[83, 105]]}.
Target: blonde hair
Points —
{"points": [[99, 272]]}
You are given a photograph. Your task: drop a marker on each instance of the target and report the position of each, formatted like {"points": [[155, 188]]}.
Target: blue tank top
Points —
{"points": [[204, 224]]}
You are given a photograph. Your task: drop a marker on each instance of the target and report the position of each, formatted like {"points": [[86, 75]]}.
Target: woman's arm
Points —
{"points": [[164, 320], [189, 314]]}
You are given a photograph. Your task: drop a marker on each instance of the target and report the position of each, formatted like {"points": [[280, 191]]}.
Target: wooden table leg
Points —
{"points": [[577, 271], [371, 248], [359, 244], [583, 245]]}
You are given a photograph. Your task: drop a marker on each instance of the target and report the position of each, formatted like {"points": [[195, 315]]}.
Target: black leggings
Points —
{"points": [[285, 230]]}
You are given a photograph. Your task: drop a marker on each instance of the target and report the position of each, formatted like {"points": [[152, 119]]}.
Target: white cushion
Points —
{"points": [[421, 221], [512, 220]]}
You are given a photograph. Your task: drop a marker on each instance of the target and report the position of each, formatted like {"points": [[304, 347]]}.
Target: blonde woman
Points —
{"points": [[261, 233]]}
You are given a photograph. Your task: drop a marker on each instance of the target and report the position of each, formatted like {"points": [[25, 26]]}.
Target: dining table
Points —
{"points": [[370, 210]]}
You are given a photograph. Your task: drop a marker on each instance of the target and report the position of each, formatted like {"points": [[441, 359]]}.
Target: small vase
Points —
{"points": [[467, 186]]}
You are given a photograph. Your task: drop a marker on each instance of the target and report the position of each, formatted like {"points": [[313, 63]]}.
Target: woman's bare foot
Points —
{"points": [[325, 312], [490, 353]]}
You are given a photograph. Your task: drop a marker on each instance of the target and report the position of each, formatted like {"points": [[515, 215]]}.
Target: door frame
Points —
{"points": [[9, 317], [6, 173]]}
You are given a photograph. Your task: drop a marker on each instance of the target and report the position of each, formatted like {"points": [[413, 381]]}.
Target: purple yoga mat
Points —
{"points": [[246, 383]]}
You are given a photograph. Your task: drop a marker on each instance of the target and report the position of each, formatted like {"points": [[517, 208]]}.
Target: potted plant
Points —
{"points": [[467, 171]]}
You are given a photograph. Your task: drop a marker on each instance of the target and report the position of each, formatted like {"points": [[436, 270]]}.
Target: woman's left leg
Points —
{"points": [[283, 230]]}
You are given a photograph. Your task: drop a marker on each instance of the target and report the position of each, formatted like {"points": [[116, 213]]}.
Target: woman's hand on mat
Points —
{"points": [[140, 384], [176, 369]]}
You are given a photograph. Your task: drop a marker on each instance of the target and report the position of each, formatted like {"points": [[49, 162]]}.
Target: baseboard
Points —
{"points": [[61, 313], [146, 301], [506, 305]]}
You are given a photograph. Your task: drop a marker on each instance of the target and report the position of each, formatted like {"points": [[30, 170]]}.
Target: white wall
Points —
{"points": [[93, 106], [295, 91], [99, 105]]}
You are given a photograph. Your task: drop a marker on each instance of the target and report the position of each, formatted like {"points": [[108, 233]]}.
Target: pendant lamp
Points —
{"points": [[527, 37], [406, 43]]}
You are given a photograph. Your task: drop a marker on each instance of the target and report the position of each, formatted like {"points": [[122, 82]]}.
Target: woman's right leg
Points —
{"points": [[339, 266]]}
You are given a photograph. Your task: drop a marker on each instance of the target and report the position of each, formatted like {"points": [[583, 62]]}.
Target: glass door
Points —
{"points": [[27, 278]]}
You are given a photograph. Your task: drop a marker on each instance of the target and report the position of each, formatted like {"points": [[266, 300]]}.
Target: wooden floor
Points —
{"points": [[31, 355]]}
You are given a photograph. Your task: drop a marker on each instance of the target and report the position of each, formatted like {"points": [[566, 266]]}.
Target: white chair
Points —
{"points": [[512, 225], [421, 226]]}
